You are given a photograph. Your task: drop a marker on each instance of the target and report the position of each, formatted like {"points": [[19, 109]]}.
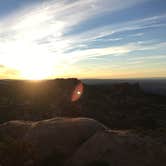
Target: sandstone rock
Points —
{"points": [[116, 148], [64, 135], [53, 139], [14, 129], [76, 142]]}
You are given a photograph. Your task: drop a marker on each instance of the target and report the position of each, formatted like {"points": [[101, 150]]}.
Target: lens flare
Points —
{"points": [[77, 93]]}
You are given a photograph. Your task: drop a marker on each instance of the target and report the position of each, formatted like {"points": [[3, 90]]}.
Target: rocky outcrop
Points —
{"points": [[109, 148], [75, 142], [14, 129], [52, 140], [63, 135]]}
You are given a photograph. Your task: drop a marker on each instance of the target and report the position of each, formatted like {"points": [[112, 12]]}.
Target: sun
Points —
{"points": [[36, 73], [38, 68], [32, 62]]}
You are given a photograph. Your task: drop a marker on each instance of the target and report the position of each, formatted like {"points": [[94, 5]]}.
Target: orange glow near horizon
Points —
{"points": [[35, 73], [31, 62]]}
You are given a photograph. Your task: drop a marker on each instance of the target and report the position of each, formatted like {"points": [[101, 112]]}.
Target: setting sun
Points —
{"points": [[36, 69], [36, 73], [31, 61]]}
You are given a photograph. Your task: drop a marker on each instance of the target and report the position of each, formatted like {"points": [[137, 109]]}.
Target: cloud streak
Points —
{"points": [[41, 33]]}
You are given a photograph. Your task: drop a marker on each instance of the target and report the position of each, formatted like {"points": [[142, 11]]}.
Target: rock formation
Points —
{"points": [[75, 142]]}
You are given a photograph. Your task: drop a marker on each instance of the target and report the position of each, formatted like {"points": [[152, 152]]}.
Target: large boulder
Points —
{"points": [[61, 135], [108, 148], [52, 140], [14, 129], [75, 142]]}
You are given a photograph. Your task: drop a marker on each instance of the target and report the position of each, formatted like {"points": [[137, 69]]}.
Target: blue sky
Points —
{"points": [[84, 39]]}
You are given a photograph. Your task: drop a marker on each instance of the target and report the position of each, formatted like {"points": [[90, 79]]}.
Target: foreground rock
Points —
{"points": [[75, 142], [109, 148], [45, 142]]}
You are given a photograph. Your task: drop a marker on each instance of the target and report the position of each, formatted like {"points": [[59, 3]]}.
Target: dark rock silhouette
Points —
{"points": [[119, 106]]}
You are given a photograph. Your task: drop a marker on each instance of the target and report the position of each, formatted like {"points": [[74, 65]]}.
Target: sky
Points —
{"points": [[44, 39]]}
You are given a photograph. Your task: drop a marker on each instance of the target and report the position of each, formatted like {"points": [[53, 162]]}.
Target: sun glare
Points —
{"points": [[36, 73], [41, 68], [32, 62]]}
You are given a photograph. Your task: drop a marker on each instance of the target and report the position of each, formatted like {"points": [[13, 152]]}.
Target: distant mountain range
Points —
{"points": [[115, 103], [155, 86]]}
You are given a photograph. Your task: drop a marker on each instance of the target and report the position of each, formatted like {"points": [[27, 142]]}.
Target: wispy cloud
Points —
{"points": [[144, 23], [153, 57], [79, 55], [8, 72], [37, 34], [137, 35]]}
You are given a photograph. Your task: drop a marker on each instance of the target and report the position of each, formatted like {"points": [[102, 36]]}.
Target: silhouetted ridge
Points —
{"points": [[119, 106]]}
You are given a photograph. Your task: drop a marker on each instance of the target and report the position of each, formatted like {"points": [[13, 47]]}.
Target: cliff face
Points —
{"points": [[75, 142]]}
